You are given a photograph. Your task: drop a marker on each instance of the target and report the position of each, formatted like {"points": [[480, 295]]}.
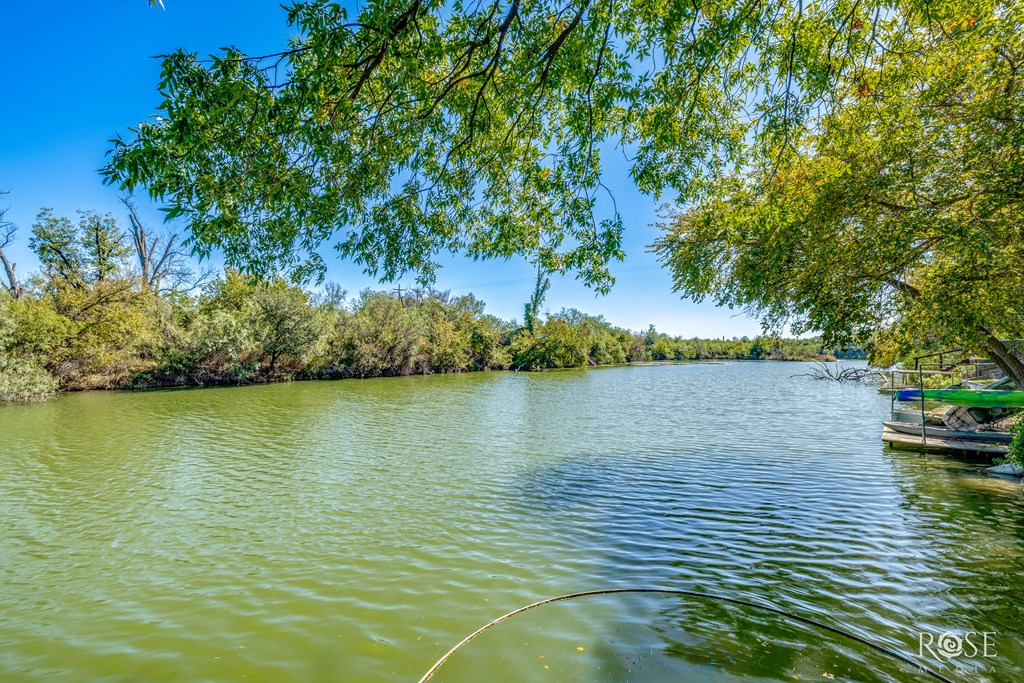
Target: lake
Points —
{"points": [[356, 530]]}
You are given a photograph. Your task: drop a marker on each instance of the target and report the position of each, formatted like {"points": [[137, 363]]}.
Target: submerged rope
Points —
{"points": [[691, 594]]}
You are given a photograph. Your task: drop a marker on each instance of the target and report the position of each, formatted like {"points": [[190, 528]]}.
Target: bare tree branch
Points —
{"points": [[161, 258], [7, 232]]}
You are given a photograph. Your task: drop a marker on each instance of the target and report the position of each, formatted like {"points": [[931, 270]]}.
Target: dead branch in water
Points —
{"points": [[839, 373]]}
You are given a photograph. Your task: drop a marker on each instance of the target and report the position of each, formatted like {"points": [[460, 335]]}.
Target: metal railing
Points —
{"points": [[920, 378], [957, 352], [940, 354]]}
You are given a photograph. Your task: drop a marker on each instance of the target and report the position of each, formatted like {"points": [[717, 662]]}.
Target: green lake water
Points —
{"points": [[356, 530]]}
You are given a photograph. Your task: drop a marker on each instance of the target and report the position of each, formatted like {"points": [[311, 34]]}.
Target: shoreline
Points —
{"points": [[335, 377]]}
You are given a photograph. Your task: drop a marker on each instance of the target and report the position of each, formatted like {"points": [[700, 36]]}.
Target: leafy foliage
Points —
{"points": [[24, 381], [413, 128], [57, 245], [116, 333], [282, 321], [1015, 454], [897, 218], [92, 319], [21, 379]]}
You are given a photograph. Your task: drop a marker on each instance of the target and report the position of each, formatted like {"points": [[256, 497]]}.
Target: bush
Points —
{"points": [[91, 332], [20, 379], [220, 344], [23, 380]]}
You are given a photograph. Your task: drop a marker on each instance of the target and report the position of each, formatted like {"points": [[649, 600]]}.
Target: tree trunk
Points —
{"points": [[12, 279], [1005, 358], [142, 246]]}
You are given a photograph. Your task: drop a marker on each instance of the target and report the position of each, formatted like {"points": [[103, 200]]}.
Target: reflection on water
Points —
{"points": [[355, 530]]}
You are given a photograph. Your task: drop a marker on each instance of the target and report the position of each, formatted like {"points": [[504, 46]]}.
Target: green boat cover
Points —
{"points": [[965, 397]]}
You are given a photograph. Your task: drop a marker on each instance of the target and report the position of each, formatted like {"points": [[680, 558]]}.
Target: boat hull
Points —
{"points": [[895, 438], [933, 431]]}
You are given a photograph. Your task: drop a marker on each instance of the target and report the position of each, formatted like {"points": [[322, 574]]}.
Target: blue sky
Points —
{"points": [[80, 72]]}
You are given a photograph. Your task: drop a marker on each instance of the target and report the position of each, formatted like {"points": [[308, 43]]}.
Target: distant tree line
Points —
{"points": [[111, 308]]}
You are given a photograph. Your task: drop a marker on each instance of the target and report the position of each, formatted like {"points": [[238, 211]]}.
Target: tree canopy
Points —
{"points": [[845, 166], [902, 212], [414, 128]]}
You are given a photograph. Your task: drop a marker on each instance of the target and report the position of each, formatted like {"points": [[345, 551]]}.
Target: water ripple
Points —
{"points": [[353, 531]]}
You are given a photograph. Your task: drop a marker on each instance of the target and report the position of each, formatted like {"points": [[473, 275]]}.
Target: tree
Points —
{"points": [[93, 251], [488, 342], [276, 316], [418, 127], [103, 245], [160, 256], [230, 292], [7, 233], [899, 219], [83, 312], [282, 321], [55, 242], [383, 336], [531, 310]]}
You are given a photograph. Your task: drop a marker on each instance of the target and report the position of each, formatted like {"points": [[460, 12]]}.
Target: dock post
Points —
{"points": [[924, 433]]}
